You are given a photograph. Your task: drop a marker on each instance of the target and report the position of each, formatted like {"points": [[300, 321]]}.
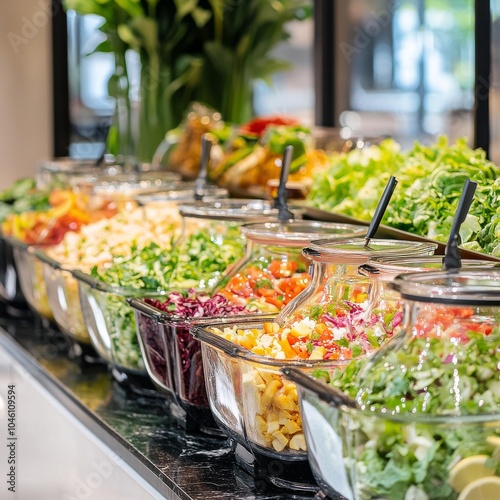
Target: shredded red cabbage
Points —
{"points": [[197, 305], [189, 378]]}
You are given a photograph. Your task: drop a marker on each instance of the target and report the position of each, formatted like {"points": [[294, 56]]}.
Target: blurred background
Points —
{"points": [[403, 69]]}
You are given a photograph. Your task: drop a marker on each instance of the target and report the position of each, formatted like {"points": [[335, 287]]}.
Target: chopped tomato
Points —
{"points": [[280, 269]]}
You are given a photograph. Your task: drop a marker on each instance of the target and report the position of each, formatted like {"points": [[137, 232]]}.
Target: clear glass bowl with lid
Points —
{"points": [[274, 271], [385, 305], [59, 173], [421, 418], [120, 189], [332, 314], [275, 245], [212, 241]]}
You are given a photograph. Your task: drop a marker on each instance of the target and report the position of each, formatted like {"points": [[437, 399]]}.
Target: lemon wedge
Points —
{"points": [[469, 470], [493, 441], [486, 488]]}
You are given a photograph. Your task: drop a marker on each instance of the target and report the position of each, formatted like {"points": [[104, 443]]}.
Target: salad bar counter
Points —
{"points": [[136, 429]]}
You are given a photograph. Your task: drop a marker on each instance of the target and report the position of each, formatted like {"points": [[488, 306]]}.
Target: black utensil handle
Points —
{"points": [[381, 207], [452, 259]]}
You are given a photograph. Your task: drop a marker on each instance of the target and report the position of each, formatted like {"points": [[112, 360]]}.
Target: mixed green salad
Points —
{"points": [[431, 179], [145, 268], [197, 262], [203, 257], [22, 196], [449, 367]]}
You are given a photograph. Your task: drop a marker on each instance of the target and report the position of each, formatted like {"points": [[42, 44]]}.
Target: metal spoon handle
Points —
{"points": [[201, 180], [280, 200]]}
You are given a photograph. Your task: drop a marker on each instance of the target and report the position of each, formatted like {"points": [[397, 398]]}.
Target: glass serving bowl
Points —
{"points": [[64, 300], [385, 306], [174, 361], [120, 190], [110, 323], [333, 312], [30, 273], [10, 288], [254, 405], [183, 193], [212, 241], [274, 271], [421, 418], [59, 173]]}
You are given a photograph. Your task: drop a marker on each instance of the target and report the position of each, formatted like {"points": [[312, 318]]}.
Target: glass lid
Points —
{"points": [[392, 265], [230, 209], [359, 250], [465, 286], [181, 192], [129, 183], [298, 233]]}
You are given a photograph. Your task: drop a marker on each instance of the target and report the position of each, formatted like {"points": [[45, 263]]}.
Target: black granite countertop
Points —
{"points": [[140, 429]]}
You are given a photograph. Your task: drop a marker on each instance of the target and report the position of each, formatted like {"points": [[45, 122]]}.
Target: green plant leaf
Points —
{"points": [[219, 56], [185, 7], [201, 16]]}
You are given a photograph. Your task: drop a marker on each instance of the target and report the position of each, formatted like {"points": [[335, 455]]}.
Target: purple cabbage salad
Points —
{"points": [[188, 366], [190, 304]]}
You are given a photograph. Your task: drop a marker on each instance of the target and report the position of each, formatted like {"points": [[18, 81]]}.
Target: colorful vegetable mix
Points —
{"points": [[267, 285]]}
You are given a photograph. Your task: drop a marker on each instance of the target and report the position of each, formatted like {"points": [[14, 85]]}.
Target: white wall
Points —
{"points": [[25, 87]]}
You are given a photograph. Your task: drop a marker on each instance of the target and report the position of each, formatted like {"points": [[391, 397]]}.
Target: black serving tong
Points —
{"points": [[452, 259], [280, 200], [380, 210], [201, 180]]}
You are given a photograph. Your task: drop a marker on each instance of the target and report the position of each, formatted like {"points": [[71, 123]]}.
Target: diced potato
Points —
{"points": [[298, 442], [278, 445], [318, 353], [259, 350], [273, 426], [284, 402], [247, 342], [280, 437], [271, 328], [283, 417], [252, 378], [269, 393], [267, 376], [291, 427], [260, 424], [287, 349]]}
